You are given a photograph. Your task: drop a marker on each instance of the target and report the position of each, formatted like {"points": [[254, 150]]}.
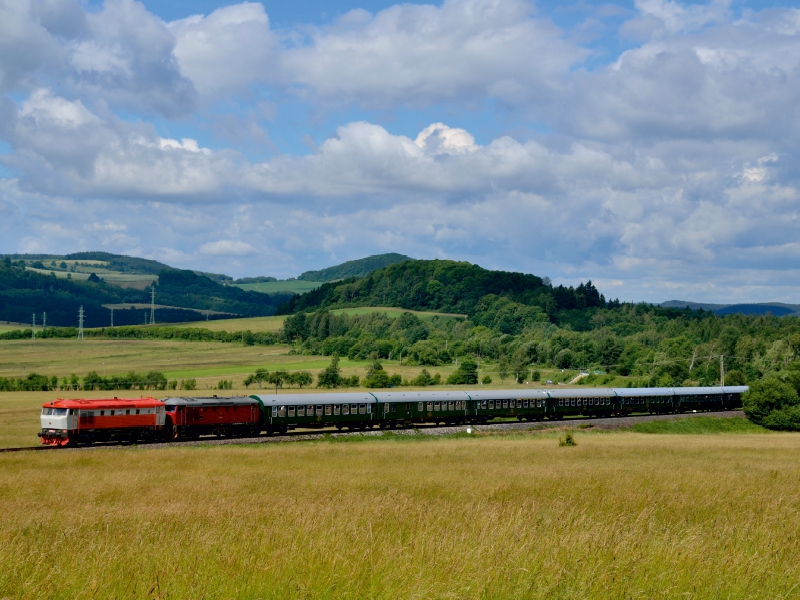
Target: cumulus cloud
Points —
{"points": [[61, 147], [422, 54], [227, 51]]}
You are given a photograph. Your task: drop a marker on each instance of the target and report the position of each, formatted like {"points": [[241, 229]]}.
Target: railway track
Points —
{"points": [[599, 423]]}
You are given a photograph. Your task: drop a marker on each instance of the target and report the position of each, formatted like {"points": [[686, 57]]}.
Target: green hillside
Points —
{"points": [[452, 287], [354, 268], [24, 291]]}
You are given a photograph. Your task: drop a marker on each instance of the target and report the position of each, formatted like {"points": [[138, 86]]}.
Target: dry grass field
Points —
{"points": [[622, 515], [254, 324]]}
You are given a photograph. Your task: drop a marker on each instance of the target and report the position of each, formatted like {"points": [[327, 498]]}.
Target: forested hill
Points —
{"points": [[354, 268], [449, 286], [24, 292]]}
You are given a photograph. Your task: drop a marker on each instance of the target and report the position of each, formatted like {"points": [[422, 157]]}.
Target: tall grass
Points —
{"points": [[618, 516], [699, 425]]}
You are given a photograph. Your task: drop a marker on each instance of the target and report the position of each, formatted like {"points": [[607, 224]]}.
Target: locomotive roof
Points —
{"points": [[326, 398], [209, 401], [103, 403]]}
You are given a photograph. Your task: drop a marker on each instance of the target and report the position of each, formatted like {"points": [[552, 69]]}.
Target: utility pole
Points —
{"points": [[80, 323], [112, 317], [44, 321], [153, 304], [722, 369], [33, 327]]}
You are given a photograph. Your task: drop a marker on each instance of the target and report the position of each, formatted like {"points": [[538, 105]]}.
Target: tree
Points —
{"points": [[300, 378], [502, 368], [772, 403], [277, 378], [377, 377], [330, 377], [466, 374]]}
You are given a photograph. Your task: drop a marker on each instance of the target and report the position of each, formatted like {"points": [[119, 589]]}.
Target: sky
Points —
{"points": [[649, 146]]}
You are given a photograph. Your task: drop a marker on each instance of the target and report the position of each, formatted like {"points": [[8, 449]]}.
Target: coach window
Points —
{"points": [[386, 408], [319, 410], [435, 406], [301, 411], [430, 406], [291, 411], [274, 411], [450, 406], [282, 411], [420, 406], [337, 409], [328, 409]]}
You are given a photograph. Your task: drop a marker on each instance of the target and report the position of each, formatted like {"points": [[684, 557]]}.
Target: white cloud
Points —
{"points": [[422, 54], [227, 51], [227, 248]]}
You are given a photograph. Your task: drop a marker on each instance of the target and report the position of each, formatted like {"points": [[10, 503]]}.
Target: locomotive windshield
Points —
{"points": [[55, 412]]}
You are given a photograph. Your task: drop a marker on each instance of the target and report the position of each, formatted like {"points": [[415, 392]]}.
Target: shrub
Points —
{"points": [[772, 403], [567, 440], [486, 380], [466, 374]]}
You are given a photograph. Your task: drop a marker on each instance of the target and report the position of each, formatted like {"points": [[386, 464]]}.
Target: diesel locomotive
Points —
{"points": [[72, 422]]}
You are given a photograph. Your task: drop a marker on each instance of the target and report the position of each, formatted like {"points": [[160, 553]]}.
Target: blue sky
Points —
{"points": [[649, 146]]}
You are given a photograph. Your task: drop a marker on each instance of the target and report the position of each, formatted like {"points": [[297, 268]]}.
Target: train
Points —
{"points": [[81, 421]]}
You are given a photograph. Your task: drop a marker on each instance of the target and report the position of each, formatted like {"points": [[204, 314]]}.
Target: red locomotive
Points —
{"points": [[189, 418], [69, 422]]}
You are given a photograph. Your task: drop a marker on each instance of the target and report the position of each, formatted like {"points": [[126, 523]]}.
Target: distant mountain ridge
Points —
{"points": [[777, 309], [355, 268]]}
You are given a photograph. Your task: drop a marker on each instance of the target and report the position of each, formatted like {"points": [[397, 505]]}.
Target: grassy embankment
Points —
{"points": [[622, 515]]}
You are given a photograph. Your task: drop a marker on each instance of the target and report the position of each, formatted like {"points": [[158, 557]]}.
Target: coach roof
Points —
{"points": [[209, 401], [325, 398]]}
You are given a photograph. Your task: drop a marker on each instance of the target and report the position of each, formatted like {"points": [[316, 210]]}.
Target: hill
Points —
{"points": [[24, 291], [115, 269], [454, 287], [774, 308], [354, 268]]}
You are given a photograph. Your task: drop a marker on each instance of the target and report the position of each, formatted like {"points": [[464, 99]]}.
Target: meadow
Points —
{"points": [[621, 515], [298, 286]]}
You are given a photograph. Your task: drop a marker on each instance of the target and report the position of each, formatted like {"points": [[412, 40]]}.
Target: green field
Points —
{"points": [[396, 312], [622, 515], [271, 287], [125, 280]]}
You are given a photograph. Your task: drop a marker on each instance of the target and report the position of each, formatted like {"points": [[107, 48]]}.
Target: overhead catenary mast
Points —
{"points": [[153, 304]]}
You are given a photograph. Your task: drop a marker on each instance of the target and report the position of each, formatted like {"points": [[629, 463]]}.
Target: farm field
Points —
{"points": [[125, 280], [271, 287], [254, 324], [11, 326], [622, 515]]}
